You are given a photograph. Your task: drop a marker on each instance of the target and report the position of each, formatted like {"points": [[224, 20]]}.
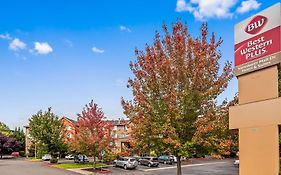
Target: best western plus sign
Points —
{"points": [[257, 53], [257, 41]]}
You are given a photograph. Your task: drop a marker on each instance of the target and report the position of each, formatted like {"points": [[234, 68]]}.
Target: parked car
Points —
{"points": [[15, 154], [174, 158], [80, 158], [126, 162], [69, 157], [47, 157], [149, 161], [137, 157], [166, 159], [236, 163]]}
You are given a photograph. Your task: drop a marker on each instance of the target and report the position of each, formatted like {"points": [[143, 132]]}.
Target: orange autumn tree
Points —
{"points": [[93, 132], [176, 80]]}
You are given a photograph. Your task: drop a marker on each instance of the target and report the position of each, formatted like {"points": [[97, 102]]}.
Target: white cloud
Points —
{"points": [[97, 50], [203, 9], [42, 48], [182, 6], [248, 5], [5, 36], [124, 28], [16, 44]]}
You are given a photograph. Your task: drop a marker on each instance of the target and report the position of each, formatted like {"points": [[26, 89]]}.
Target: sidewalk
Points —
{"points": [[80, 171]]}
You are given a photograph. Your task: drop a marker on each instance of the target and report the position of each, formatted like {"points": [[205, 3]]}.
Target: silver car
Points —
{"points": [[47, 157], [126, 163], [149, 161]]}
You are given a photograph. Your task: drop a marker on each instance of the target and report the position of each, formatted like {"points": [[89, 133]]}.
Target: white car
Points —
{"points": [[174, 158], [47, 157], [236, 163], [69, 157]]}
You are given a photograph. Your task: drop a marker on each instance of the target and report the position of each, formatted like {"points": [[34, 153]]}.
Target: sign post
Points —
{"points": [[257, 53]]}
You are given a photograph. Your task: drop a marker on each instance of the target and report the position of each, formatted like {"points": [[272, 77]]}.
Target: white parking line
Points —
{"points": [[201, 164]]}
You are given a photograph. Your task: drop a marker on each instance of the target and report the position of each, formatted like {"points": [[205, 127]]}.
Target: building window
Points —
{"points": [[114, 128], [68, 128], [115, 136]]}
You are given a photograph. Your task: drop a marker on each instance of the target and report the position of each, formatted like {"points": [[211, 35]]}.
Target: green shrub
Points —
{"points": [[109, 157], [54, 160], [22, 153]]}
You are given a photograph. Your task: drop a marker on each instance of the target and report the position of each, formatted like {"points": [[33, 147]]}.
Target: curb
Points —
{"points": [[77, 170]]}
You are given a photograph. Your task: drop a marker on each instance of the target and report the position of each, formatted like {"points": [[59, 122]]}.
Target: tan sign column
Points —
{"points": [[258, 138], [257, 51]]}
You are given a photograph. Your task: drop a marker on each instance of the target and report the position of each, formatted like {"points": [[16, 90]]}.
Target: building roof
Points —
{"points": [[71, 120], [119, 122]]}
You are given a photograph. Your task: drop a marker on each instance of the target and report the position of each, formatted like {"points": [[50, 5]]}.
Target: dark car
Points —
{"points": [[149, 161], [166, 159], [80, 159]]}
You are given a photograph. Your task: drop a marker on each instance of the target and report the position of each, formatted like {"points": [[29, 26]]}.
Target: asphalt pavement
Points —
{"points": [[211, 167], [25, 167]]}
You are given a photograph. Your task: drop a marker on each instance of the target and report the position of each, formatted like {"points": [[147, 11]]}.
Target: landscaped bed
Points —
{"points": [[33, 159], [78, 165], [98, 170]]}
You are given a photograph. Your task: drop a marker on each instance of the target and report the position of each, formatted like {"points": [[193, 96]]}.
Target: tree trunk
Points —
{"points": [[94, 162], [179, 165]]}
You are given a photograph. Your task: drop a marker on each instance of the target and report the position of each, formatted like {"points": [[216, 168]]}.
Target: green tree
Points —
{"points": [[4, 129], [176, 81], [213, 135], [47, 130], [19, 135]]}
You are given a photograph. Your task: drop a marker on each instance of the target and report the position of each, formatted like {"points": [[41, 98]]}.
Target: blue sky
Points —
{"points": [[64, 53]]}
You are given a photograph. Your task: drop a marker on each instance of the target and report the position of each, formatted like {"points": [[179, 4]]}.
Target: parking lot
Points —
{"points": [[212, 167]]}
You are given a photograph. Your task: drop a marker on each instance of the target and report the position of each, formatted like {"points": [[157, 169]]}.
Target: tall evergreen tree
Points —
{"points": [[19, 135]]}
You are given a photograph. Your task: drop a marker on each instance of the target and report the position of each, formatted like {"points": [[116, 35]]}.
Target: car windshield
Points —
{"points": [[132, 160], [154, 159]]}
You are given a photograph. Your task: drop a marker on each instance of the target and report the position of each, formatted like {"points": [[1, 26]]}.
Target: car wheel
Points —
{"points": [[149, 165], [125, 167], [165, 162], [114, 164]]}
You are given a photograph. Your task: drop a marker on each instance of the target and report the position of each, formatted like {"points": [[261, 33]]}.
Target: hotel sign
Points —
{"points": [[257, 41]]}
